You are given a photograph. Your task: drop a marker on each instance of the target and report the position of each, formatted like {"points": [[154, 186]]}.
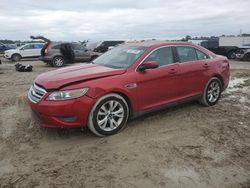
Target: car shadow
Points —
{"points": [[85, 133]]}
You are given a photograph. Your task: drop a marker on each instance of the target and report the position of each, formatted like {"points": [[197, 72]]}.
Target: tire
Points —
{"points": [[212, 92], [58, 61], [246, 57], [16, 57], [109, 115], [231, 55]]}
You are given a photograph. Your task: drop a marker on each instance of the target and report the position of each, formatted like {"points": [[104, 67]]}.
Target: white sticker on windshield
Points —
{"points": [[133, 51]]}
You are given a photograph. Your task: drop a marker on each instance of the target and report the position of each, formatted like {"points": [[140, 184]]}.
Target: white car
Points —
{"points": [[30, 50]]}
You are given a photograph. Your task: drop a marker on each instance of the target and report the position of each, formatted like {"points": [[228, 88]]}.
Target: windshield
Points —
{"points": [[120, 57]]}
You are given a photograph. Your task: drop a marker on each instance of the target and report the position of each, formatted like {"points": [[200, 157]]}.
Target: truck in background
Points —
{"points": [[227, 45], [234, 41], [213, 45]]}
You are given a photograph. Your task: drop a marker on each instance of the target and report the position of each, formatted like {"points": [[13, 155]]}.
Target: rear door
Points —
{"points": [[37, 49], [194, 69], [160, 85]]}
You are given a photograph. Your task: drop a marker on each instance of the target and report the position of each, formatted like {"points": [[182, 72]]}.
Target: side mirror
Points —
{"points": [[148, 65], [110, 47]]}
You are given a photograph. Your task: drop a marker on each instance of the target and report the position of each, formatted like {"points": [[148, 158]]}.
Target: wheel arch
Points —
{"points": [[57, 56], [245, 55], [220, 78], [16, 54], [127, 99]]}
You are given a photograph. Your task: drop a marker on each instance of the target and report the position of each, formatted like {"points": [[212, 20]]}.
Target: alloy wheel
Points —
{"points": [[213, 91], [58, 62], [110, 115]]}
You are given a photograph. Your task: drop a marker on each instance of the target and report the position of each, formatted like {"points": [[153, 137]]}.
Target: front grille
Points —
{"points": [[36, 93]]}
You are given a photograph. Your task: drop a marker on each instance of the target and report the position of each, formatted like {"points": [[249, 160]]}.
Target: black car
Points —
{"points": [[105, 45], [213, 45]]}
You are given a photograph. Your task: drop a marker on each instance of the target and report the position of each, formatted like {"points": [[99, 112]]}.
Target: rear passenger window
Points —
{"points": [[162, 56], [38, 46], [186, 53], [201, 55]]}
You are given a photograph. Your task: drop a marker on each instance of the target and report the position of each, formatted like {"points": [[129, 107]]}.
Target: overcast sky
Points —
{"points": [[127, 19]]}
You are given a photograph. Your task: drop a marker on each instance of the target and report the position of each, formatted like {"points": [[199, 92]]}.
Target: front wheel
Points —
{"points": [[16, 57], [212, 92], [109, 115], [246, 57]]}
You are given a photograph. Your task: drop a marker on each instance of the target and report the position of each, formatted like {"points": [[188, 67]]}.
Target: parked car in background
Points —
{"points": [[243, 53], [52, 54], [4, 47], [30, 50], [92, 45], [213, 45], [104, 46], [127, 81]]}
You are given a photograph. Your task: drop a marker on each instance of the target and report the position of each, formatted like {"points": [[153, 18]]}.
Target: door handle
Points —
{"points": [[206, 65], [172, 71]]}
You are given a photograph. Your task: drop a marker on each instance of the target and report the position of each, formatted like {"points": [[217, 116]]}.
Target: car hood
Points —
{"points": [[74, 74], [11, 51]]}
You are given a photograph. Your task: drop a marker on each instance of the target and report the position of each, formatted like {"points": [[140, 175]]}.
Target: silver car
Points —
{"points": [[51, 54], [243, 53]]}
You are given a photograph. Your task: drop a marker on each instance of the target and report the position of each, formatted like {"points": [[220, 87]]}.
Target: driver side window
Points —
{"points": [[162, 56]]}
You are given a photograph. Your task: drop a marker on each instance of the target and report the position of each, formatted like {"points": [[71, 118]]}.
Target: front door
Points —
{"points": [[159, 86]]}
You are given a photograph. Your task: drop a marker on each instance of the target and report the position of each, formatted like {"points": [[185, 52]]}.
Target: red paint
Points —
{"points": [[155, 87]]}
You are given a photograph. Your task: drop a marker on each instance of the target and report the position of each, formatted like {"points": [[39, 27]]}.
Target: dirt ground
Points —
{"points": [[185, 146]]}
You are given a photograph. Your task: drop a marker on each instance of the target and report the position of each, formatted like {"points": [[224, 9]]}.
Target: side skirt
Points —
{"points": [[166, 106]]}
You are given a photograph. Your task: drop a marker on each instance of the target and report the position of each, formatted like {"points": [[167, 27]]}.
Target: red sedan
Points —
{"points": [[127, 81]]}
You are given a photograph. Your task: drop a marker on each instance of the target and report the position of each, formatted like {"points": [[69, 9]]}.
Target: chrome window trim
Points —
{"points": [[210, 57]]}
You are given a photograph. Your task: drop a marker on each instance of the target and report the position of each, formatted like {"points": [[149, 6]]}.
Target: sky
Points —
{"points": [[128, 19]]}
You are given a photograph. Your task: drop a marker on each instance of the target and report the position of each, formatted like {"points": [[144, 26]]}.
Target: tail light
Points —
{"points": [[44, 50]]}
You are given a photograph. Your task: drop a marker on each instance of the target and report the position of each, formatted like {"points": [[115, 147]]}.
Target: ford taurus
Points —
{"points": [[127, 81]]}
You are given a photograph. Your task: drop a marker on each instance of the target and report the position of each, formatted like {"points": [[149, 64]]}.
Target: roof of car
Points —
{"points": [[155, 43]]}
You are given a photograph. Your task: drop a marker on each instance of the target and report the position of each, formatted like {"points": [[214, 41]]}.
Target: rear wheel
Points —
{"points": [[212, 92], [109, 115], [58, 61], [16, 57]]}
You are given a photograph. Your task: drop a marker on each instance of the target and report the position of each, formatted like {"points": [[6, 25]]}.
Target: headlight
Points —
{"points": [[65, 95]]}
